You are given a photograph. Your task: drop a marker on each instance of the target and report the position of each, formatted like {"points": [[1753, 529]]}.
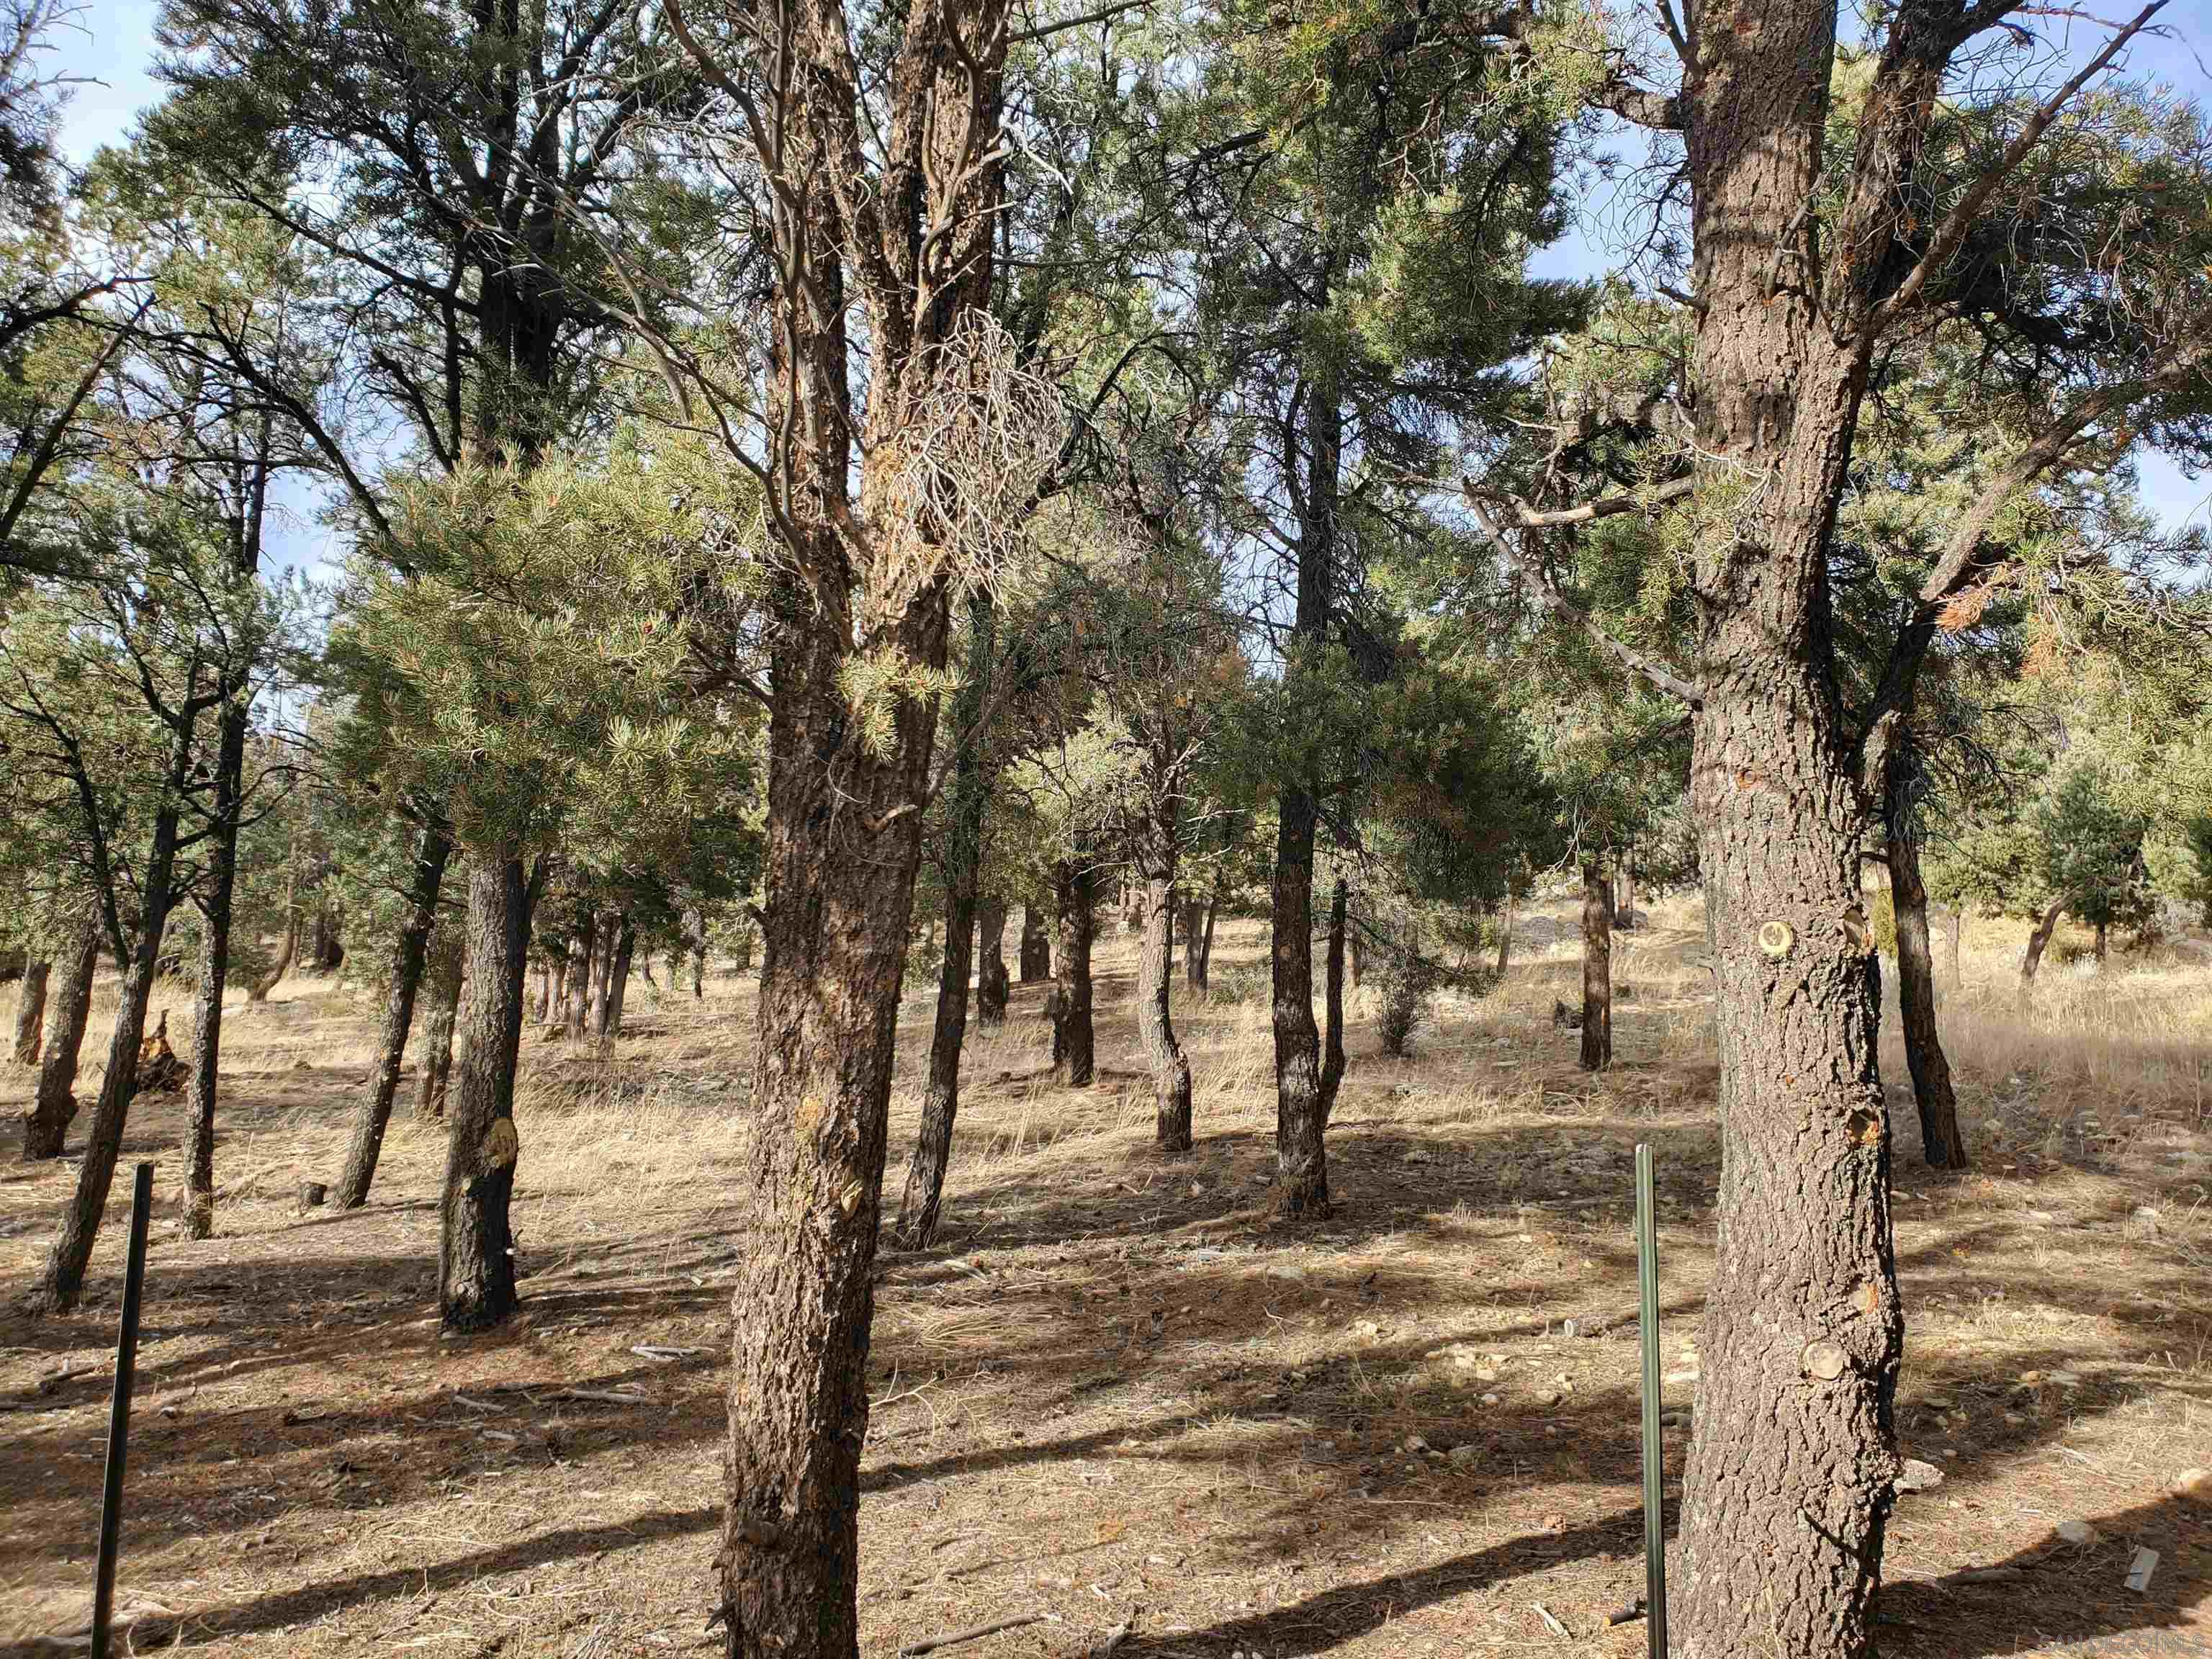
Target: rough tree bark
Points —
{"points": [[1035, 961], [1505, 935], [1155, 857], [1075, 883], [47, 1120], [30, 1011], [1597, 969], [603, 967], [433, 848], [1941, 1140], [993, 989], [476, 1265]]}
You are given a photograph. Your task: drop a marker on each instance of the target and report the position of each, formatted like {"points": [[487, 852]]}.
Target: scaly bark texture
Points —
{"points": [[433, 848], [30, 1011], [47, 1120], [1075, 882], [1597, 969], [1941, 1142], [476, 1265]]}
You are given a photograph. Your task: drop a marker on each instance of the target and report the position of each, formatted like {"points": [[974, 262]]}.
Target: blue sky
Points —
{"points": [[112, 53]]}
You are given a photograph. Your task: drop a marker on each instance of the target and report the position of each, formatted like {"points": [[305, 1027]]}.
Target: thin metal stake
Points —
{"points": [[119, 1411], [1655, 1460]]}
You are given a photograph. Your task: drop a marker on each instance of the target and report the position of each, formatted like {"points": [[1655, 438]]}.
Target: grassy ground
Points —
{"points": [[1117, 1395]]}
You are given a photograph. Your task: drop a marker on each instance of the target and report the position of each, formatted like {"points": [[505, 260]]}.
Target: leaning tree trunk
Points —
{"points": [[409, 952], [1156, 865], [993, 989], [443, 975], [63, 1282], [1036, 956], [214, 971], [1074, 1042], [2038, 940], [46, 1122], [476, 1267], [1597, 969], [1941, 1142], [30, 1011]]}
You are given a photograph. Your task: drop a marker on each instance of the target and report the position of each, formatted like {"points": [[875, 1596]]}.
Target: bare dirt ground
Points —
{"points": [[1117, 1395]]}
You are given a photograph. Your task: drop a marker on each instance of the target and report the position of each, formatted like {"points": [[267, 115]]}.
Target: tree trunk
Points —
{"points": [[63, 1282], [968, 798], [1597, 968], [582, 946], [603, 967], [2037, 939], [1301, 1109], [1626, 913], [1940, 1141], [30, 1011], [215, 971], [1155, 853], [2103, 936], [843, 844], [1332, 1064], [993, 989], [1073, 1041], [432, 850], [443, 975], [1035, 958], [476, 1267], [618, 979], [1355, 957], [1958, 931], [1505, 936], [46, 1123], [941, 1100], [1204, 940], [259, 990]]}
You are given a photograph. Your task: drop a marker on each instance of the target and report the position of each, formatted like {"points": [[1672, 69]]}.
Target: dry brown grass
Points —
{"points": [[1117, 1392]]}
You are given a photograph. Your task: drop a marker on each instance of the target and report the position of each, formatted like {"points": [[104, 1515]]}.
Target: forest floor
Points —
{"points": [[1118, 1396]]}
